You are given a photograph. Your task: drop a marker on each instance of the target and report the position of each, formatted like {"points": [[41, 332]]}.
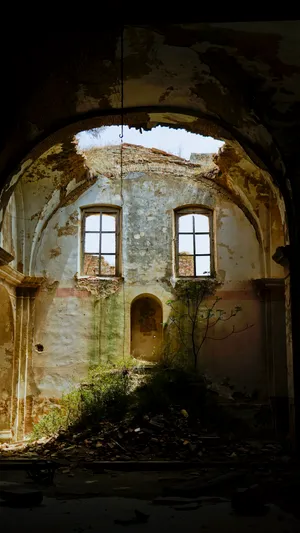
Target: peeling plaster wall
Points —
{"points": [[64, 329], [80, 323]]}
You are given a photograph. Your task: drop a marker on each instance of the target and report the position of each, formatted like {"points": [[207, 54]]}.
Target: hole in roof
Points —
{"points": [[178, 142]]}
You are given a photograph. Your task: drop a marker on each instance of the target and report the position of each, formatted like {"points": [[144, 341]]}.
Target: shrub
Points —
{"points": [[116, 392], [104, 395]]}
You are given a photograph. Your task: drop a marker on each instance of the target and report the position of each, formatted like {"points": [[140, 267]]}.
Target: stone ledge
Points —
{"points": [[5, 435], [16, 278], [10, 275], [5, 257], [32, 281], [99, 287]]}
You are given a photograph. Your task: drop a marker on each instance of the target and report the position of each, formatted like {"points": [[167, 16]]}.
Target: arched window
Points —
{"points": [[100, 241], [194, 249]]}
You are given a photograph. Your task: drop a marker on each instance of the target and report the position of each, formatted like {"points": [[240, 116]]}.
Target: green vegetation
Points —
{"points": [[122, 390], [105, 394], [126, 392], [125, 389]]}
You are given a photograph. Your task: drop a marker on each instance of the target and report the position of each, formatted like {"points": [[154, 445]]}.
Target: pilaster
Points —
{"points": [[272, 292]]}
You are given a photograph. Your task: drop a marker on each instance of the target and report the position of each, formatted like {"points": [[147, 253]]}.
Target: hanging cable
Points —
{"points": [[121, 167], [122, 114]]}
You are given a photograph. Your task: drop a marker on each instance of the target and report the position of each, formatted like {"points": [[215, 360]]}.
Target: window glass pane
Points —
{"points": [[91, 243], [108, 243], [186, 244], [203, 266], [92, 222], [108, 265], [201, 223], [186, 265], [202, 244], [108, 222], [185, 223], [91, 265]]}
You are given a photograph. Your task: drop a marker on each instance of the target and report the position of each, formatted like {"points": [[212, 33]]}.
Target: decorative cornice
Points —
{"points": [[5, 257], [16, 278], [12, 276], [32, 281]]}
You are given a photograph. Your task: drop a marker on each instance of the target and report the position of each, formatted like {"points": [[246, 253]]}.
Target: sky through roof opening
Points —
{"points": [[178, 142]]}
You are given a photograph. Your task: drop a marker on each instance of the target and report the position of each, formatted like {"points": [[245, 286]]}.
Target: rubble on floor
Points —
{"points": [[159, 437]]}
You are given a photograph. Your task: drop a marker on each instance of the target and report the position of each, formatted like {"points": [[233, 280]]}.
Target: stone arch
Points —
{"points": [[230, 73], [6, 359], [146, 117], [146, 326]]}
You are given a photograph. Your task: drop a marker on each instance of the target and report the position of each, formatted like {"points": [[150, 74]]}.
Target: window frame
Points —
{"points": [[99, 210], [195, 210]]}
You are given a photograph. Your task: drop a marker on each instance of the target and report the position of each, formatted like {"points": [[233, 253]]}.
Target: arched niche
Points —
{"points": [[146, 327], [6, 358]]}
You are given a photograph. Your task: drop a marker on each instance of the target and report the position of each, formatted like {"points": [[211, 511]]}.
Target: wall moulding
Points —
{"points": [[5, 257], [16, 278]]}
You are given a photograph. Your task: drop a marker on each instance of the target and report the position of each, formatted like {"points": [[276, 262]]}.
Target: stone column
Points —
{"points": [[272, 291], [23, 361]]}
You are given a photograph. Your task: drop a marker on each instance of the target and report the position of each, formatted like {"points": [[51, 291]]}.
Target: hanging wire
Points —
{"points": [[122, 115], [121, 169]]}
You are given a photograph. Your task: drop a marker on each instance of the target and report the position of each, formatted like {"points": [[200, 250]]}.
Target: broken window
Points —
{"points": [[100, 242], [194, 243]]}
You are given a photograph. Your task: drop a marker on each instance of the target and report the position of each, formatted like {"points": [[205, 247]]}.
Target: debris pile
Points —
{"points": [[157, 437]]}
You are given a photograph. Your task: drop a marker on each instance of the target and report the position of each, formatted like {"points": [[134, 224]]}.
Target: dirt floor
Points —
{"points": [[197, 499], [156, 473]]}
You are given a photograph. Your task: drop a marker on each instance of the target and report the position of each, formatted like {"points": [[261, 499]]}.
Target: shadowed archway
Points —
{"points": [[146, 327]]}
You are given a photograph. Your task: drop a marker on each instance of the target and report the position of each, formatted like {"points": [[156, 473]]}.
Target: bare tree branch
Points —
{"points": [[193, 325], [180, 333], [231, 333], [207, 326]]}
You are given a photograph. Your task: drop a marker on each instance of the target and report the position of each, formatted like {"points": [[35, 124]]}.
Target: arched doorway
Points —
{"points": [[146, 327], [6, 359]]}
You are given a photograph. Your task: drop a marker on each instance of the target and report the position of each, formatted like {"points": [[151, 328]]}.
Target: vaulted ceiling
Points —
{"points": [[234, 80]]}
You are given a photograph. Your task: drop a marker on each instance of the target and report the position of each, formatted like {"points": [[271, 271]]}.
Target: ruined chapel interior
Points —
{"points": [[58, 312], [94, 242], [90, 258]]}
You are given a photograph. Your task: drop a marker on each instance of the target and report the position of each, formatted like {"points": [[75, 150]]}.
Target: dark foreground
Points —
{"points": [[226, 496]]}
